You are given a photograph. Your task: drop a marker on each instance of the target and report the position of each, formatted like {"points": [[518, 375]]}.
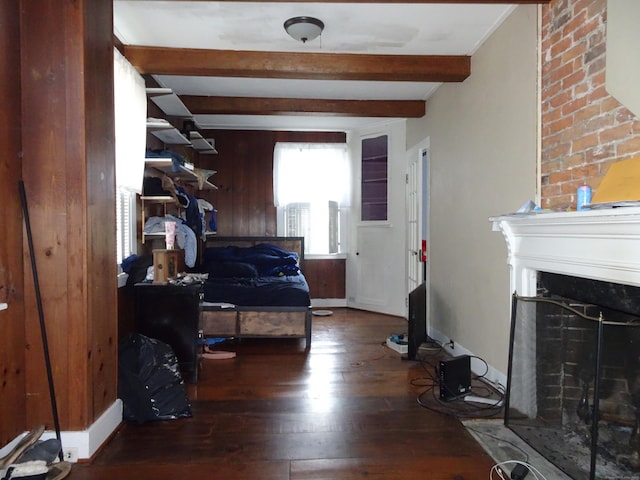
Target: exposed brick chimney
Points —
{"points": [[584, 129]]}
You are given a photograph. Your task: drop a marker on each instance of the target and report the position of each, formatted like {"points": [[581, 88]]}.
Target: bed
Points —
{"points": [[255, 288]]}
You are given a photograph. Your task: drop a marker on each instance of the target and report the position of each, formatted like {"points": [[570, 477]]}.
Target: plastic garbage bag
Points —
{"points": [[149, 381]]}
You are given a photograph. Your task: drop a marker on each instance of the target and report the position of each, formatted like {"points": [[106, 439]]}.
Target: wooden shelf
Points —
{"points": [[158, 124], [165, 165], [170, 136], [201, 144], [169, 102], [163, 200], [167, 133], [157, 198], [172, 106]]}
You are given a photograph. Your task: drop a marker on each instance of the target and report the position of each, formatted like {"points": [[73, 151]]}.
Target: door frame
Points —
{"points": [[418, 204]]}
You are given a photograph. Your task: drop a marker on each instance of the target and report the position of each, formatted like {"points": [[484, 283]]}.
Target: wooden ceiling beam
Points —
{"points": [[205, 105], [310, 66]]}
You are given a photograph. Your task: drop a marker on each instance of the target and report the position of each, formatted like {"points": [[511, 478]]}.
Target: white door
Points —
{"points": [[417, 195], [376, 266], [417, 214], [414, 265]]}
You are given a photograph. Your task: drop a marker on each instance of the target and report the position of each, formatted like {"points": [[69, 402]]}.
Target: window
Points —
{"points": [[130, 110], [311, 191], [374, 179], [125, 221]]}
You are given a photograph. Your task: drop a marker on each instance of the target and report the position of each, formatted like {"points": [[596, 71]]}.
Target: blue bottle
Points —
{"points": [[583, 197]]}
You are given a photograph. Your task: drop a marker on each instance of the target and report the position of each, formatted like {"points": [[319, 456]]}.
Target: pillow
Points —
{"points": [[231, 269]]}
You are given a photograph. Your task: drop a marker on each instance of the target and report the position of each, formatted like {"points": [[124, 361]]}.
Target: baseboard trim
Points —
{"points": [[493, 375], [328, 302], [82, 445]]}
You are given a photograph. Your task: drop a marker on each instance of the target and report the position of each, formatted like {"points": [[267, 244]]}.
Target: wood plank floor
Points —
{"points": [[347, 409]]}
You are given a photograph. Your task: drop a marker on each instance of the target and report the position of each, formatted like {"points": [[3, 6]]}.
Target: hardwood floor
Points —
{"points": [[347, 409]]}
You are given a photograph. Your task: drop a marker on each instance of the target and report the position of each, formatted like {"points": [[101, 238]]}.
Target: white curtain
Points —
{"points": [[310, 172], [130, 105]]}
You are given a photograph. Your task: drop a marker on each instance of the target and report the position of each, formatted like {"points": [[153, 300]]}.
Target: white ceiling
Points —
{"points": [[359, 28]]}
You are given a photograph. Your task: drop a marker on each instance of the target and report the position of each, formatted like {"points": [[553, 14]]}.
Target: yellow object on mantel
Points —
{"points": [[621, 183]]}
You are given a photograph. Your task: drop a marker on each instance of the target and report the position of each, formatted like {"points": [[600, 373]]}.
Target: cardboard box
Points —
{"points": [[621, 183], [167, 264]]}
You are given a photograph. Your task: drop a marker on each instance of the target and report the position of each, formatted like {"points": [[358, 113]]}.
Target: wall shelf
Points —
{"points": [[167, 133], [201, 144], [172, 106], [170, 136], [165, 165], [168, 102], [158, 200]]}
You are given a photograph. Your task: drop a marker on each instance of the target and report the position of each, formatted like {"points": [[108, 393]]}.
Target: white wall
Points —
{"points": [[482, 136], [623, 62]]}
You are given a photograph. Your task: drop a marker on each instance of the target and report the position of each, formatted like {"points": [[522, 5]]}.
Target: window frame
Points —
{"points": [[336, 211], [365, 181], [126, 224]]}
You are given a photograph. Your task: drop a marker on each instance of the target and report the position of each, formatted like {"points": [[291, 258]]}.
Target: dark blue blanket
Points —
{"points": [[262, 275], [284, 291], [269, 260]]}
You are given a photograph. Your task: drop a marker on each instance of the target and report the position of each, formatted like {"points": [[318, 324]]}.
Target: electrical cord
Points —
{"points": [[516, 473], [436, 348], [524, 454], [456, 406], [486, 366]]}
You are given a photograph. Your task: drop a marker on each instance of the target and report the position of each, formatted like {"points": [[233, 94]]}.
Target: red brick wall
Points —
{"points": [[584, 129]]}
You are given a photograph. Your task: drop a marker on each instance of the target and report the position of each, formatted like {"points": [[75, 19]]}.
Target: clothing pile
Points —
{"points": [[34, 459]]}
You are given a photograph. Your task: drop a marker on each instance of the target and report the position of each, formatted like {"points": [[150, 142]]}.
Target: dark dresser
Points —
{"points": [[170, 313]]}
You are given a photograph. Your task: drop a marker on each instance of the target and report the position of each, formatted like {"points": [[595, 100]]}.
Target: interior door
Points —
{"points": [[376, 266], [414, 265], [416, 206]]}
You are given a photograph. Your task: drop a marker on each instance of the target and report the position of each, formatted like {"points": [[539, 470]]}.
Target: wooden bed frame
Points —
{"points": [[270, 322]]}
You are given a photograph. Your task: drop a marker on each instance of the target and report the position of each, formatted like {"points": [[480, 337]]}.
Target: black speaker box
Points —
{"points": [[455, 377]]}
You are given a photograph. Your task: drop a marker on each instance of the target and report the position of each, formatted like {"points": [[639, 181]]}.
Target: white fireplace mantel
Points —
{"points": [[601, 244]]}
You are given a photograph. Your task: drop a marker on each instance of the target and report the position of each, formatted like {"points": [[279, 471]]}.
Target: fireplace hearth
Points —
{"points": [[574, 378]]}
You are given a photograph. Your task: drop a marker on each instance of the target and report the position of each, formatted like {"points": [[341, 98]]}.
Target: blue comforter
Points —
{"points": [[262, 275], [269, 260]]}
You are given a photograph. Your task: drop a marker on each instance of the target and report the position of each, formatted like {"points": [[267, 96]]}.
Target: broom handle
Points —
{"points": [[43, 330]]}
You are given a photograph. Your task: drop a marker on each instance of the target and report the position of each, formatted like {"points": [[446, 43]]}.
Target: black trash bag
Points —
{"points": [[149, 381]]}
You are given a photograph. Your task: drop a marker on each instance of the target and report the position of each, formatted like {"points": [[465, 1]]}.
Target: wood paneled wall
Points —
{"points": [[245, 177], [12, 331], [69, 172], [326, 277]]}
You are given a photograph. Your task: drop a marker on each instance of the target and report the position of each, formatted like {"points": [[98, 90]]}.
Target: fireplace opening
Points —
{"points": [[573, 389]]}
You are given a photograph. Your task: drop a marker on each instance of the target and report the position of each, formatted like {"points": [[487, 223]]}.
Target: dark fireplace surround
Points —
{"points": [[574, 366]]}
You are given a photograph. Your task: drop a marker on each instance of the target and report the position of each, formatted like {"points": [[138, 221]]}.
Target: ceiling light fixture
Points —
{"points": [[303, 29]]}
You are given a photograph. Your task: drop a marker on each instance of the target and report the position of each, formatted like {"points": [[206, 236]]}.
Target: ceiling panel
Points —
{"points": [[350, 28]]}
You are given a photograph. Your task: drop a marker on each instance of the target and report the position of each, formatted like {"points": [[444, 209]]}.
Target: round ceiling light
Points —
{"points": [[303, 29]]}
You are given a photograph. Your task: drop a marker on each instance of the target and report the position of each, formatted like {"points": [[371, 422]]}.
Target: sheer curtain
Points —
{"points": [[311, 184], [130, 106], [310, 172], [130, 111]]}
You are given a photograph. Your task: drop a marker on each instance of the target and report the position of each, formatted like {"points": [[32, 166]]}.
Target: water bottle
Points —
{"points": [[583, 197]]}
